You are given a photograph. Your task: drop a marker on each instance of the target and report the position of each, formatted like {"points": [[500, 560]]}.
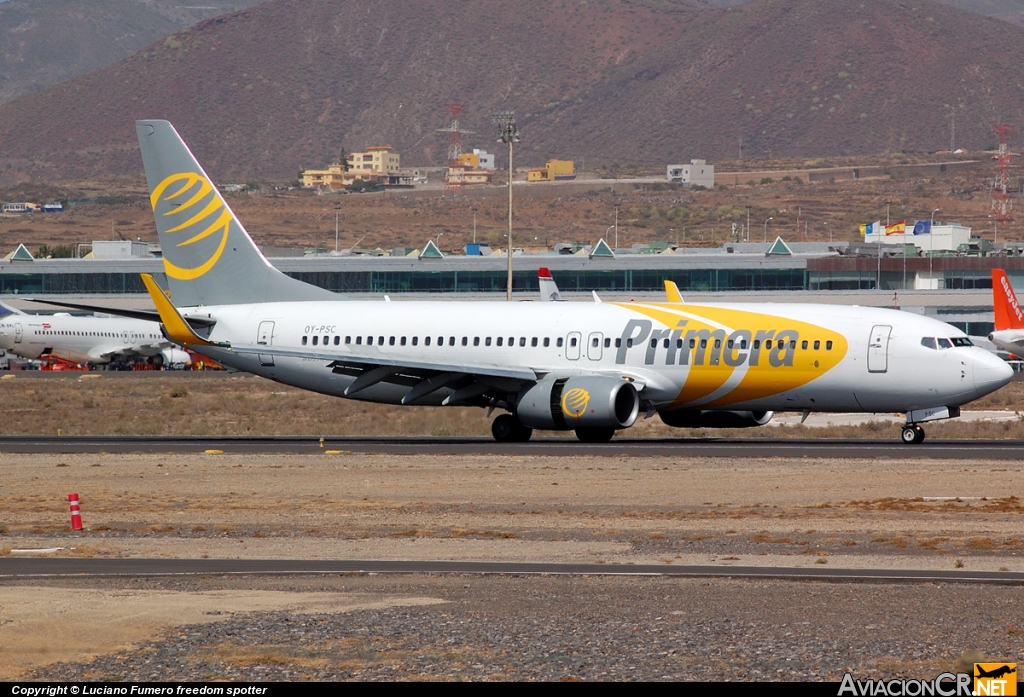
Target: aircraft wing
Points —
{"points": [[147, 315]]}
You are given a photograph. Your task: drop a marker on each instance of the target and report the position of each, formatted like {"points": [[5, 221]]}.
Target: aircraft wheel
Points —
{"points": [[507, 429], [595, 435], [913, 434]]}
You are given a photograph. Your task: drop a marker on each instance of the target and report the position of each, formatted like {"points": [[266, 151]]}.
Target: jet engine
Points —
{"points": [[711, 418], [172, 357], [589, 402]]}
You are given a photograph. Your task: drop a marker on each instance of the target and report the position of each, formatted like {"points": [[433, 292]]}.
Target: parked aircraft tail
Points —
{"points": [[548, 287], [1009, 314], [209, 258]]}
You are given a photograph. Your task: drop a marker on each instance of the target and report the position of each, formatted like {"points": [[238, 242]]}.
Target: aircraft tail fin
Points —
{"points": [[548, 287], [1009, 314], [209, 258]]}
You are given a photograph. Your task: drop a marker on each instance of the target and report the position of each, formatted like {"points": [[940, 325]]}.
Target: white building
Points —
{"points": [[947, 237], [120, 249], [486, 158], [697, 173]]}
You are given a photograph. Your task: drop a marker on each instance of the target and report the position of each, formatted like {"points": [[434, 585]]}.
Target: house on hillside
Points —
{"points": [[697, 173], [379, 164]]}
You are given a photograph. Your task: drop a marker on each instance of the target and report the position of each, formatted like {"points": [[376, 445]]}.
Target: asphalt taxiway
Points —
{"points": [[30, 567], [674, 447]]}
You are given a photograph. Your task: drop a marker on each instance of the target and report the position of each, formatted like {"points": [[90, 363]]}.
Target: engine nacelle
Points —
{"points": [[579, 402], [710, 418], [173, 357]]}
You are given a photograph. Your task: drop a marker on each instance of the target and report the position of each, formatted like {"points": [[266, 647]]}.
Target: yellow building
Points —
{"points": [[463, 175], [380, 159], [378, 163], [554, 169]]}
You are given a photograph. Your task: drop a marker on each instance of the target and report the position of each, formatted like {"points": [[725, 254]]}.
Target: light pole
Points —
{"points": [[437, 242], [931, 247], [606, 235], [829, 226], [616, 226], [505, 120], [337, 207], [766, 229], [474, 224]]}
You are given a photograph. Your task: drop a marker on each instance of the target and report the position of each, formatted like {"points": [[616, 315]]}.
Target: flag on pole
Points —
{"points": [[874, 228], [899, 228], [922, 227]]}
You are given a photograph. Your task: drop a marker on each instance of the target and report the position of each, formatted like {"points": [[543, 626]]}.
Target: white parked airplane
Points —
{"points": [[1009, 316], [588, 367], [86, 339]]}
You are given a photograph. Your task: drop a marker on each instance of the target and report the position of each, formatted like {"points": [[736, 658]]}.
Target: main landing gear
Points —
{"points": [[506, 429], [913, 433]]}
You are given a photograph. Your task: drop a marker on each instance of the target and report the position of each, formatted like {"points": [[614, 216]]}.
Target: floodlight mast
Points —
{"points": [[505, 120]]}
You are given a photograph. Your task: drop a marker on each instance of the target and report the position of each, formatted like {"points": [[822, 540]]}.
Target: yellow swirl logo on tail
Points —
{"points": [[202, 207], [575, 401]]}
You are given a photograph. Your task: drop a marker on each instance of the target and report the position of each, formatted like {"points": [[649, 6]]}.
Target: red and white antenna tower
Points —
{"points": [[454, 145], [1002, 206]]}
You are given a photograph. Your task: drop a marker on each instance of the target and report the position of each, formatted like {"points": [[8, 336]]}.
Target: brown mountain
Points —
{"points": [[283, 85], [45, 42]]}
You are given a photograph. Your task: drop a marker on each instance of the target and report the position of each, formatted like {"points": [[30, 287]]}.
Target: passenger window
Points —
{"points": [[511, 341], [304, 340], [348, 340], [654, 343], [391, 341], [558, 342], [359, 340], [369, 341], [792, 344], [679, 343], [415, 340], [327, 340], [500, 340], [476, 341], [718, 343], [945, 343], [465, 341], [451, 341], [703, 343], [817, 345], [828, 345], [426, 341], [618, 343], [757, 343], [522, 341], [595, 341], [337, 340], [401, 342], [533, 342], [803, 344], [315, 340], [572, 342], [487, 341], [380, 341], [693, 343], [768, 344], [666, 343], [607, 343], [547, 341], [440, 341], [729, 344]]}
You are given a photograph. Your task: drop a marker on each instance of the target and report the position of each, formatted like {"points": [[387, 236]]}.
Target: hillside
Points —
{"points": [[284, 85], [45, 42]]}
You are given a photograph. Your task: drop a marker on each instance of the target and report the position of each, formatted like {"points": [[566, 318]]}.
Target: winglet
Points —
{"points": [[175, 326], [1008, 312], [672, 292]]}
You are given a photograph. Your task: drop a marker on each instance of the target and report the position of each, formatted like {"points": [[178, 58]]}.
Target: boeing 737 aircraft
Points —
{"points": [[86, 339], [1009, 329], [589, 367]]}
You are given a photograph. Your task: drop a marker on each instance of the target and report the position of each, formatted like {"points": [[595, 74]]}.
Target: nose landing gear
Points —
{"points": [[912, 434]]}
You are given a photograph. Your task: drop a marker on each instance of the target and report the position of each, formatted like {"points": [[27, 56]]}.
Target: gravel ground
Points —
{"points": [[597, 628]]}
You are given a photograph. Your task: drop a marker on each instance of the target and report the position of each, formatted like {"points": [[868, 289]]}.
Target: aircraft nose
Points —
{"points": [[990, 372]]}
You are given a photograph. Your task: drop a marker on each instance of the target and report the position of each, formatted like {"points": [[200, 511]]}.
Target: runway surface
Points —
{"points": [[31, 567], [676, 447]]}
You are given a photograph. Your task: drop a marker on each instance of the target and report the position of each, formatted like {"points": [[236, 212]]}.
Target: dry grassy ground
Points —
{"points": [[219, 404]]}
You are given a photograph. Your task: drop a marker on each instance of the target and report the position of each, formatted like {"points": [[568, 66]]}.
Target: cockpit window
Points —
{"points": [[945, 343], [928, 342], [961, 341]]}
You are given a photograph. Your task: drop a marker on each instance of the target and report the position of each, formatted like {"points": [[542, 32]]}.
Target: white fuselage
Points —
{"points": [[831, 358], [85, 339]]}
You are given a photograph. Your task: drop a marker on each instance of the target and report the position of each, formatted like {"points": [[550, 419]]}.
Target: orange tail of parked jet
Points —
{"points": [[1009, 314]]}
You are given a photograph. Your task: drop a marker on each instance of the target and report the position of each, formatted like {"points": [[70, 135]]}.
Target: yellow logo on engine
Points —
{"points": [[202, 214], [575, 401]]}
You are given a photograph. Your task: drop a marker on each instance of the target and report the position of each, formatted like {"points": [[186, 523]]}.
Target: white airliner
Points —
{"points": [[1009, 316], [588, 367], [86, 339]]}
